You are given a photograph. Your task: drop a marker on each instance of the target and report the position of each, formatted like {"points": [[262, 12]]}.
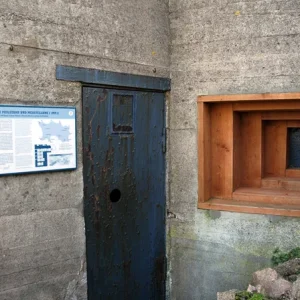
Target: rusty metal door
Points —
{"points": [[124, 191]]}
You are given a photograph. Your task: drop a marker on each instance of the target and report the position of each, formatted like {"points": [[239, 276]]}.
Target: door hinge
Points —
{"points": [[164, 140]]}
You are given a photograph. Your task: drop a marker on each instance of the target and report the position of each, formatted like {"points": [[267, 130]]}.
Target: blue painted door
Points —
{"points": [[124, 191]]}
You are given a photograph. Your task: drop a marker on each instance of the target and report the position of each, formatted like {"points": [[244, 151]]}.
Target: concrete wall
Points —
{"points": [[218, 46], [223, 46], [42, 242]]}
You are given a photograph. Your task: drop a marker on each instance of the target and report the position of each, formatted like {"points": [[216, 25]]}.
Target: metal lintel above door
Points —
{"points": [[101, 77]]}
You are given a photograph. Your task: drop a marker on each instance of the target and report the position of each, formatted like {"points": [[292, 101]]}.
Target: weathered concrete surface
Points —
{"points": [[135, 31], [212, 251], [217, 47], [42, 241]]}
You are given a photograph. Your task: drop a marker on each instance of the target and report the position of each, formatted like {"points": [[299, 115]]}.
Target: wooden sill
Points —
{"points": [[292, 173], [251, 207], [286, 183], [277, 196]]}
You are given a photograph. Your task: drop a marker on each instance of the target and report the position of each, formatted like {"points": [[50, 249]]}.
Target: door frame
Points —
{"points": [[114, 80]]}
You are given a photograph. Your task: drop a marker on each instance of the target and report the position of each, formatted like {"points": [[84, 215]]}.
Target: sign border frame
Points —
{"points": [[76, 141]]}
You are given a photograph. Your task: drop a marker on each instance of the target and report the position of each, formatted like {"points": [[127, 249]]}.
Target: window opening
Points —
{"points": [[122, 114]]}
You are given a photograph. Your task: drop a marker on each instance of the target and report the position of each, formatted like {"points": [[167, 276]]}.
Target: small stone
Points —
{"points": [[264, 277], [278, 288], [296, 289], [259, 289], [288, 268], [292, 278], [286, 296], [229, 295], [251, 288]]}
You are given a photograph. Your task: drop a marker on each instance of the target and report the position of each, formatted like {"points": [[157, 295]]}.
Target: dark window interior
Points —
{"points": [[293, 148]]}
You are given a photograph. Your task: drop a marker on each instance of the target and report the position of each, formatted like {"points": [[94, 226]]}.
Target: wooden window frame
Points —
{"points": [[219, 186]]}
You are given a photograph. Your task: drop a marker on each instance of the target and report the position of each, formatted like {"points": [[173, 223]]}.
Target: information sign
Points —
{"points": [[36, 139]]}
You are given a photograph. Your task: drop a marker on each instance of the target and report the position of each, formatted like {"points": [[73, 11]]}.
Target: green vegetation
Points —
{"points": [[280, 257], [258, 297], [244, 295]]}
